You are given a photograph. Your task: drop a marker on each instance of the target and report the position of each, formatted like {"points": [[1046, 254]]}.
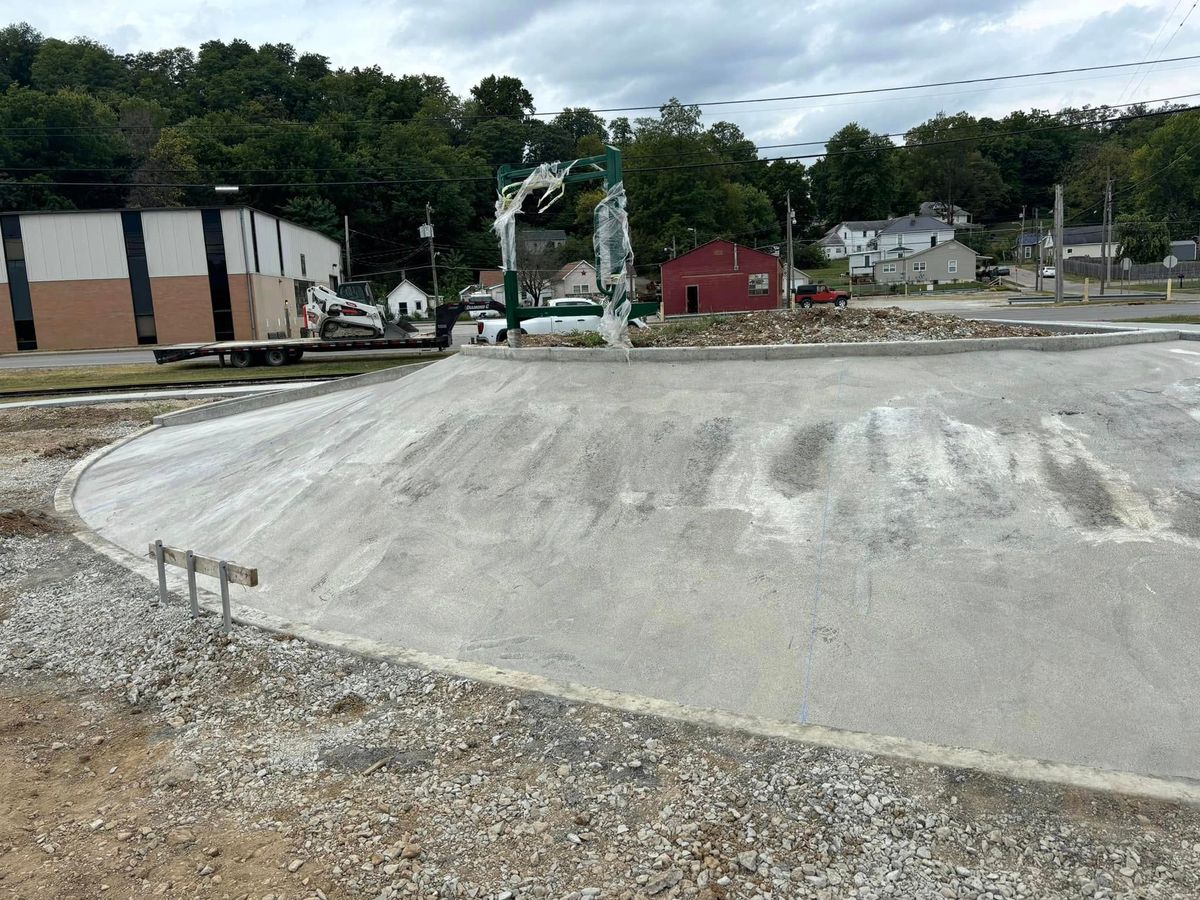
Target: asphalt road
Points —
{"points": [[990, 550]]}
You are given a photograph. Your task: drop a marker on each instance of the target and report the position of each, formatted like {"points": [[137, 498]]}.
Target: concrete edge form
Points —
{"points": [[274, 398], [1172, 790], [1054, 343]]}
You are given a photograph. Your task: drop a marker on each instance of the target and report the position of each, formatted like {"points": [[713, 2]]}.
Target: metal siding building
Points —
{"points": [[720, 276], [111, 278]]}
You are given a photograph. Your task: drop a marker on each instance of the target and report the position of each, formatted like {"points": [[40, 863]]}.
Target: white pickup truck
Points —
{"points": [[495, 331]]}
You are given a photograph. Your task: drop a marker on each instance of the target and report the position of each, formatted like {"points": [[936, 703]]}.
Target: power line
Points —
{"points": [[1174, 33], [1133, 75]]}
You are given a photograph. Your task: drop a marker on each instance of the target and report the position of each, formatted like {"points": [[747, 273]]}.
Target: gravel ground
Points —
{"points": [[819, 325], [260, 766]]}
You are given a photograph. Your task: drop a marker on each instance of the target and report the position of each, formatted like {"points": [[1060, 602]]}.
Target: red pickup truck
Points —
{"points": [[808, 294]]}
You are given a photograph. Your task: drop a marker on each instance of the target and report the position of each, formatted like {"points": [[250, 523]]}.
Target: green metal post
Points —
{"points": [[512, 303]]}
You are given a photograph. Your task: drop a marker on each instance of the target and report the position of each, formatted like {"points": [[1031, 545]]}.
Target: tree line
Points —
{"points": [[84, 127]]}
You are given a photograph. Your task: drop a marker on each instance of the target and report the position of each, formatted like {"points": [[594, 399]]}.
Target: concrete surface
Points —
{"points": [[989, 550]]}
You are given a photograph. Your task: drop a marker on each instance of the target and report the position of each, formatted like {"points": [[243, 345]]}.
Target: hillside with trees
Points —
{"points": [[84, 127]]}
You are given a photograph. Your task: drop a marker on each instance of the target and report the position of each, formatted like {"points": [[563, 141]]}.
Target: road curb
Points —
{"points": [[1003, 765], [1076, 337]]}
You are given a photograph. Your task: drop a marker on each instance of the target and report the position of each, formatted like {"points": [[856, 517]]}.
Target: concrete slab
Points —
{"points": [[992, 550]]}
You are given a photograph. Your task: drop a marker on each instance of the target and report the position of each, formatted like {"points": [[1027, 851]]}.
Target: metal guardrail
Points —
{"points": [[206, 565]]}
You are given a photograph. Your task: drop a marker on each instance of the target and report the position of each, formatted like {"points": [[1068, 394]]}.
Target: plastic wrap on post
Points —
{"points": [[548, 177], [614, 252]]}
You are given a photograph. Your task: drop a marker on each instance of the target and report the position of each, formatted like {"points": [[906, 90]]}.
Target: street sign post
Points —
{"points": [[1169, 263]]}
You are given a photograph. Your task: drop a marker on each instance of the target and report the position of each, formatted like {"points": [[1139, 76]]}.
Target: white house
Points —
{"points": [[1080, 240], [575, 279], [406, 299], [847, 238]]}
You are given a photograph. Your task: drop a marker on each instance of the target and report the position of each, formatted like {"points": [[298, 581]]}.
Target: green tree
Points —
{"points": [[81, 64], [18, 48], [1142, 239], [1166, 171], [501, 95], [857, 177], [169, 163], [316, 213]]}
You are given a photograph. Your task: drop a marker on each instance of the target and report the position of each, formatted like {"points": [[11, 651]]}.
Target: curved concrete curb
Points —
{"points": [[1053, 343], [1172, 790], [263, 401]]}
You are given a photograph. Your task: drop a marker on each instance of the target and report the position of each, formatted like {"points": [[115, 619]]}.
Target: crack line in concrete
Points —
{"points": [[816, 601]]}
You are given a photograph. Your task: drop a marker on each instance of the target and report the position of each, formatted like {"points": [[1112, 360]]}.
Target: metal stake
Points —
{"points": [[225, 617], [191, 572], [162, 571]]}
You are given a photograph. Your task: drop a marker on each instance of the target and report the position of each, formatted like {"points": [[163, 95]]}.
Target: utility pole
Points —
{"points": [[1058, 243], [1041, 250], [346, 223], [790, 218], [1019, 256], [674, 252], [1106, 232], [432, 253]]}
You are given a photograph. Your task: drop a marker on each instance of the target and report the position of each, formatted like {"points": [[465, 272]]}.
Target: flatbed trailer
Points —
{"points": [[282, 352]]}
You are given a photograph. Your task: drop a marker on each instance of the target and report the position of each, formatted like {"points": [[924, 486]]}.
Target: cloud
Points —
{"points": [[630, 52]]}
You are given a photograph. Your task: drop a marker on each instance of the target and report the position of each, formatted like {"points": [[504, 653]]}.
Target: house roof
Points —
{"points": [[914, 223], [866, 224], [571, 267], [1083, 234], [933, 207], [742, 248], [489, 278], [831, 238], [403, 282], [941, 246]]}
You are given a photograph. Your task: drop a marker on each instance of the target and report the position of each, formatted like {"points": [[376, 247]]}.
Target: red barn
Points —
{"points": [[720, 276]]}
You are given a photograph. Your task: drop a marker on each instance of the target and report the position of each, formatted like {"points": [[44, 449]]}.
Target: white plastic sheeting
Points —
{"points": [[614, 251], [547, 177]]}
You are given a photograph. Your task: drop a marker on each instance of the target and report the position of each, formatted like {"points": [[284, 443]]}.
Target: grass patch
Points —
{"points": [[1169, 320], [150, 374]]}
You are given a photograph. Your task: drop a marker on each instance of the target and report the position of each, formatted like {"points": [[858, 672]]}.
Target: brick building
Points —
{"points": [[720, 276], [117, 278]]}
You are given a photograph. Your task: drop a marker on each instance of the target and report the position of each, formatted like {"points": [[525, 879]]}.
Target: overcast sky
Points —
{"points": [[607, 53]]}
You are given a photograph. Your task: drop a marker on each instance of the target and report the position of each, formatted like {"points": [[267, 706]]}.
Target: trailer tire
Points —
{"points": [[242, 359], [275, 356]]}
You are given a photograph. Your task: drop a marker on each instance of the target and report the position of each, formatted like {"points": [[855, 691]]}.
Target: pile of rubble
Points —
{"points": [[819, 325]]}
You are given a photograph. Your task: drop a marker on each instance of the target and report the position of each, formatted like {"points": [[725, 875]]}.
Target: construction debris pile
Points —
{"points": [[260, 766], [806, 326]]}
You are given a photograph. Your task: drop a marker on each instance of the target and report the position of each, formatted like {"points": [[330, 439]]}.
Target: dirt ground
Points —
{"points": [[143, 754], [819, 325]]}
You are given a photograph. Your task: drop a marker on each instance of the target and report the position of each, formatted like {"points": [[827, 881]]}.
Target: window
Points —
{"points": [[933, 240], [952, 266], [1028, 252], [760, 284], [18, 283], [579, 289], [303, 266], [139, 277], [864, 234], [889, 268], [866, 261], [919, 266]]}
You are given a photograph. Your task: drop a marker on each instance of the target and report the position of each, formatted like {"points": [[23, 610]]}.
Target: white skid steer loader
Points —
{"points": [[350, 312]]}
